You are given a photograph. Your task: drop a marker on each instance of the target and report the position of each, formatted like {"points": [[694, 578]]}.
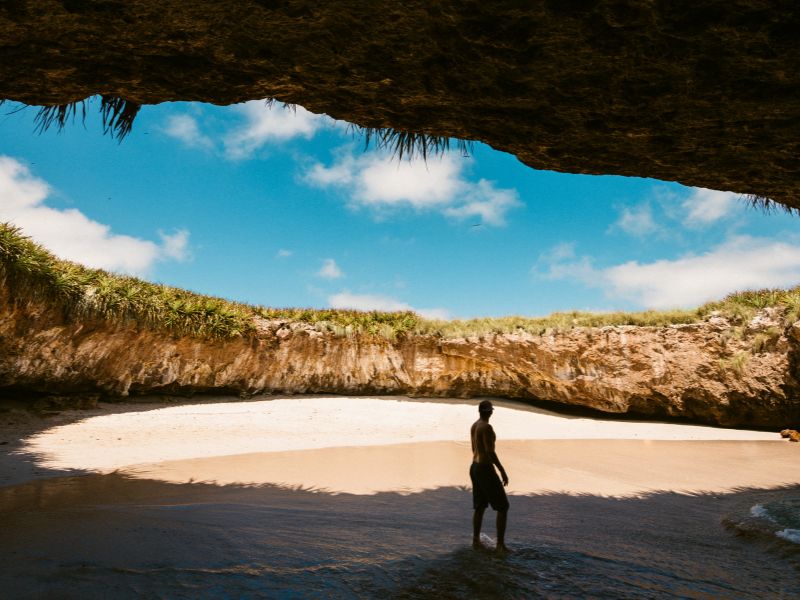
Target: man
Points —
{"points": [[486, 486]]}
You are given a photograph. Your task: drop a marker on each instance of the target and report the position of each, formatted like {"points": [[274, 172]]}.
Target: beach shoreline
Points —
{"points": [[393, 443], [352, 512]]}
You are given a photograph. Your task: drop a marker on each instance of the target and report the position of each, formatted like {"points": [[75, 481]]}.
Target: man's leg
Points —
{"points": [[502, 517], [477, 519]]}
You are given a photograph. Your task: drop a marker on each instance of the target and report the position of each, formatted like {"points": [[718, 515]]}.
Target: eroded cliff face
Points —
{"points": [[705, 92], [700, 371]]}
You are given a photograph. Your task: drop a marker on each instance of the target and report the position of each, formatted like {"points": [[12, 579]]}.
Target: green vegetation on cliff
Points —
{"points": [[30, 272]]}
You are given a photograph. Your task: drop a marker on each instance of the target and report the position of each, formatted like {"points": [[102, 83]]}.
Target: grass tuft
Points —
{"points": [[763, 341], [348, 323], [736, 363], [409, 143], [58, 116], [117, 115], [767, 205], [741, 307]]}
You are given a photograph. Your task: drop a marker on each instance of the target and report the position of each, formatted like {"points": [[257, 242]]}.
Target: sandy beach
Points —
{"points": [[369, 497], [397, 444]]}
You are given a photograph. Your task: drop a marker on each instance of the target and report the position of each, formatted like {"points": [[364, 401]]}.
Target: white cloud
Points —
{"points": [[268, 123], [483, 200], [380, 182], [186, 129], [704, 207], [637, 221], [283, 253], [70, 234], [346, 300], [176, 245], [740, 263], [561, 262], [330, 270]]}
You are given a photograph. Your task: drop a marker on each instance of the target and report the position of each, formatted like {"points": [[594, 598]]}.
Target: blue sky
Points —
{"points": [[280, 207]]}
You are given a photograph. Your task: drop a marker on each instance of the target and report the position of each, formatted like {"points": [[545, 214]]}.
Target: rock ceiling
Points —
{"points": [[705, 92]]}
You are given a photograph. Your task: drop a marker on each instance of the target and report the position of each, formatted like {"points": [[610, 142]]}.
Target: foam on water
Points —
{"points": [[781, 518], [792, 535], [758, 511]]}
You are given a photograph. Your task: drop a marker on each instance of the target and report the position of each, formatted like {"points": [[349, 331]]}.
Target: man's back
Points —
{"points": [[483, 439]]}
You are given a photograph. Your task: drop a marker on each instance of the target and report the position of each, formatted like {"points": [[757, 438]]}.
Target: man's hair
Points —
{"points": [[485, 407]]}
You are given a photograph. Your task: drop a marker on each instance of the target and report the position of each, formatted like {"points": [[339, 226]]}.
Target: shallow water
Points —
{"points": [[777, 518], [113, 536]]}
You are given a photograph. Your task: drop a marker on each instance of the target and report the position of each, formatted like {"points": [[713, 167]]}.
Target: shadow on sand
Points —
{"points": [[109, 534]]}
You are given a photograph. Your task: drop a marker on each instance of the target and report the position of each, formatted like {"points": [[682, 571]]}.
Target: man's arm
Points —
{"points": [[495, 460]]}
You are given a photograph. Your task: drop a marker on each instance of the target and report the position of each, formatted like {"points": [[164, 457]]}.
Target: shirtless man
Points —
{"points": [[486, 486]]}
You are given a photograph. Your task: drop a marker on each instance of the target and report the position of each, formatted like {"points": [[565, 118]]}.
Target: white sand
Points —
{"points": [[107, 443], [369, 445]]}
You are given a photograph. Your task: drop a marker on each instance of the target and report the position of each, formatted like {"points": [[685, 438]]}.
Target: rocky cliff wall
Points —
{"points": [[701, 371], [705, 92]]}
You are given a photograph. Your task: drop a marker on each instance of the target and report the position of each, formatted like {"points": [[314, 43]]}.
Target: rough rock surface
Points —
{"points": [[684, 371], [705, 92]]}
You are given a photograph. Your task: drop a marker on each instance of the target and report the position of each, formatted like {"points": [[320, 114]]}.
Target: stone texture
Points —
{"points": [[678, 371], [705, 92]]}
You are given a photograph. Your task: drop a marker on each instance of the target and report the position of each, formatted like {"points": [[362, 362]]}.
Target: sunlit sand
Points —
{"points": [[370, 445]]}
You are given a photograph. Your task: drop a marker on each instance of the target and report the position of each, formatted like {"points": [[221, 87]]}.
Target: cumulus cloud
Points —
{"points": [[346, 300], [175, 245], [70, 234], [329, 270], [283, 253], [637, 221], [186, 129], [268, 123], [704, 207], [380, 182], [741, 262]]}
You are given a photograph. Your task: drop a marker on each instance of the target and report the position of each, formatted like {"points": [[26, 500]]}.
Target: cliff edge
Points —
{"points": [[699, 371], [65, 329]]}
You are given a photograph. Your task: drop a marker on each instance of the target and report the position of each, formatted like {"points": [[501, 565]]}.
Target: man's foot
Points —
{"points": [[478, 545], [502, 549]]}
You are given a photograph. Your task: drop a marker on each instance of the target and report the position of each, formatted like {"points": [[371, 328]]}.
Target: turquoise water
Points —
{"points": [[114, 537]]}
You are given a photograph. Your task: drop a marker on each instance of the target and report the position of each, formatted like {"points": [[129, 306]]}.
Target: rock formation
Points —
{"points": [[699, 371], [791, 434], [705, 92]]}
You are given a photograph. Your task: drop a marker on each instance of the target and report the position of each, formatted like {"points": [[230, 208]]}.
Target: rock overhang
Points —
{"points": [[706, 92]]}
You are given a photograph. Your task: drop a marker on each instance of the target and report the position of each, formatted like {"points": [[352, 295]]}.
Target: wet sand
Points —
{"points": [[600, 467], [114, 536], [369, 497]]}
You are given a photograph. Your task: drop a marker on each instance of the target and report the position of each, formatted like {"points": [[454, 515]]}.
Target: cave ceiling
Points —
{"points": [[703, 92]]}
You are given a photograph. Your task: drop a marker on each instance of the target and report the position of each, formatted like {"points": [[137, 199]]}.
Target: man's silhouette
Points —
{"points": [[486, 486]]}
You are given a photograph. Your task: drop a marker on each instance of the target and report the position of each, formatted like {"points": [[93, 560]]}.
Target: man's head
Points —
{"points": [[485, 408]]}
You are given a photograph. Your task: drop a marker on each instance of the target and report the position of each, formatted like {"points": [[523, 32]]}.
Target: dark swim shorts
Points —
{"points": [[487, 488]]}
